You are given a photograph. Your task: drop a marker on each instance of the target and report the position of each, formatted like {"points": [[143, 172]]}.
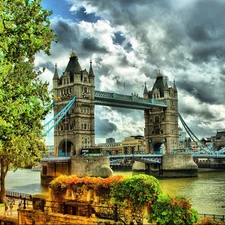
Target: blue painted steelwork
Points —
{"points": [[221, 151], [127, 101], [190, 133], [57, 118], [111, 99], [56, 159], [151, 157]]}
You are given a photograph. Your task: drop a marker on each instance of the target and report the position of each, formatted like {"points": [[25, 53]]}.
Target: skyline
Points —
{"points": [[129, 42]]}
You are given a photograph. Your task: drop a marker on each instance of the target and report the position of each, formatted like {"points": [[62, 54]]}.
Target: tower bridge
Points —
{"points": [[77, 128], [74, 128]]}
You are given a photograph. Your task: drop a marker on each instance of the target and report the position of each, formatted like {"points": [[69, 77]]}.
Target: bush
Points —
{"points": [[210, 221], [135, 191], [167, 210]]}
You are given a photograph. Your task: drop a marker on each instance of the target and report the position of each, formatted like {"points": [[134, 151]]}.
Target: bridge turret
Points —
{"points": [[76, 130], [91, 72], [91, 75], [145, 94], [161, 125], [55, 77]]}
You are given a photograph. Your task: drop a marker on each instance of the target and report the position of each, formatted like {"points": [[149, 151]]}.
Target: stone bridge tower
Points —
{"points": [[161, 124], [76, 130]]}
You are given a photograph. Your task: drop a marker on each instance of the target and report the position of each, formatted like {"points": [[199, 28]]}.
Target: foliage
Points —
{"points": [[136, 191], [72, 182], [210, 221], [172, 211], [24, 31]]}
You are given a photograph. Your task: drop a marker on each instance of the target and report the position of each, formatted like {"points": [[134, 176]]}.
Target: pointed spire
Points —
{"points": [[73, 66], [174, 85], [165, 83], [73, 54], [145, 89], [91, 72], [159, 74], [56, 75]]}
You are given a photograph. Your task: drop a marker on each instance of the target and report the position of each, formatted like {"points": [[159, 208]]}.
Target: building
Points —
{"points": [[219, 139], [130, 145], [161, 124], [76, 130]]}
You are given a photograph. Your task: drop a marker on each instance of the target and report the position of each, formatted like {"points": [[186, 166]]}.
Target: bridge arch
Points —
{"points": [[66, 148], [157, 148]]}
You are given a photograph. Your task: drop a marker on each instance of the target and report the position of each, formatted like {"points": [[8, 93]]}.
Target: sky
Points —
{"points": [[129, 41]]}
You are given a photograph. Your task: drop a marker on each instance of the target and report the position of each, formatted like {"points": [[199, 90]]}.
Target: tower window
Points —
{"points": [[157, 119]]}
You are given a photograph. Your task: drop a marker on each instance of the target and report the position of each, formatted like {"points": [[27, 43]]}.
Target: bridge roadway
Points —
{"points": [[127, 101], [145, 158]]}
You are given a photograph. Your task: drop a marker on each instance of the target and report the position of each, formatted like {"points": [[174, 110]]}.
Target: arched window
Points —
{"points": [[85, 79], [157, 119]]}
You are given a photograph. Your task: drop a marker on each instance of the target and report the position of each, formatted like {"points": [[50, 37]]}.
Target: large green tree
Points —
{"points": [[24, 98]]}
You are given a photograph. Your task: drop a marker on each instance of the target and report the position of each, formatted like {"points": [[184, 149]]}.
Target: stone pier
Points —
{"points": [[179, 165]]}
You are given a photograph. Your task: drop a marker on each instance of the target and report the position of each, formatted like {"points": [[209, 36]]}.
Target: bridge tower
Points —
{"points": [[76, 130], [161, 124]]}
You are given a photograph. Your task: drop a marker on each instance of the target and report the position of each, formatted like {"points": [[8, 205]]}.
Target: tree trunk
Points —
{"points": [[3, 175]]}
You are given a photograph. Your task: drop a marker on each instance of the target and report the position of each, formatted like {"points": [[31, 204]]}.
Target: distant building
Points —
{"points": [[50, 151], [182, 137], [220, 139], [130, 145]]}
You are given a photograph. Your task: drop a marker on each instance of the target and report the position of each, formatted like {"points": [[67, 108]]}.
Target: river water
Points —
{"points": [[206, 192]]}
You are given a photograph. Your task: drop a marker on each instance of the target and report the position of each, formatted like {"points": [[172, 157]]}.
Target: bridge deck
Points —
{"points": [[126, 101]]}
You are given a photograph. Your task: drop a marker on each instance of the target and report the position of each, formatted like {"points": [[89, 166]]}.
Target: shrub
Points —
{"points": [[137, 190], [167, 210], [210, 221]]}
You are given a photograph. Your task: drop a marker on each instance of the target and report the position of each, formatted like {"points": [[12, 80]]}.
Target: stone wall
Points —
{"points": [[30, 217], [98, 166], [179, 165]]}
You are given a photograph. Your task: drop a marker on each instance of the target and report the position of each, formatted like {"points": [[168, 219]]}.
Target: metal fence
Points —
{"points": [[214, 217], [12, 194]]}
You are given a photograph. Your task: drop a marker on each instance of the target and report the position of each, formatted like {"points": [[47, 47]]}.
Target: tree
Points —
{"points": [[24, 98]]}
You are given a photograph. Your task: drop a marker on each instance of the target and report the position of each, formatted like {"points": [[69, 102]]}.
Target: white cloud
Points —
{"points": [[164, 35]]}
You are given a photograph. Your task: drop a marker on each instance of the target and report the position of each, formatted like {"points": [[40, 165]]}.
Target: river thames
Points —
{"points": [[206, 192]]}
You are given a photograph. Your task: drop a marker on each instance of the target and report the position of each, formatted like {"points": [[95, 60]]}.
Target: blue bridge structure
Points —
{"points": [[108, 99], [126, 101], [74, 121]]}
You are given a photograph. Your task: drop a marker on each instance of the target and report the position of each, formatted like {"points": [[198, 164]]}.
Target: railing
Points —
{"points": [[214, 217], [24, 199], [55, 159], [17, 195]]}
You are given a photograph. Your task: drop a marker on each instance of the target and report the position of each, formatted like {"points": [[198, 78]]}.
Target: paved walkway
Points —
{"points": [[9, 213]]}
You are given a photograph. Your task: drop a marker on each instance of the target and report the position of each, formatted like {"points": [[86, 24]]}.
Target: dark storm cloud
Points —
{"points": [[205, 25], [205, 20], [92, 44], [203, 91], [82, 15], [207, 52], [202, 113], [67, 34], [103, 127], [47, 65]]}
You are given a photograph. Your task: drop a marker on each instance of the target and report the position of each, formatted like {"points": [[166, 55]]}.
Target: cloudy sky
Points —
{"points": [[129, 41]]}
